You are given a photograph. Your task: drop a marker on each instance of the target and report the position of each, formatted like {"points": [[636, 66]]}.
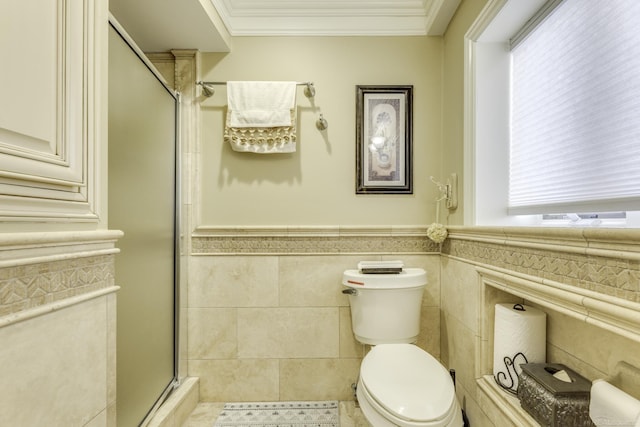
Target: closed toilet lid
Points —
{"points": [[408, 382]]}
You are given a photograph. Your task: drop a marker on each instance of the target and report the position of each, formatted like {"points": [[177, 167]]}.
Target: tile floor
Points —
{"points": [[205, 414]]}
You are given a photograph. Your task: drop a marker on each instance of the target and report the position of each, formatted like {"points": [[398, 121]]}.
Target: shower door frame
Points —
{"points": [[175, 381]]}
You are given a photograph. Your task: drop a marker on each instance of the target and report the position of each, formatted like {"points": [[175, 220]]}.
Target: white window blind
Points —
{"points": [[575, 124]]}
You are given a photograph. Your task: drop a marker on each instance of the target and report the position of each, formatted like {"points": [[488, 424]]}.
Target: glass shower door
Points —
{"points": [[142, 201]]}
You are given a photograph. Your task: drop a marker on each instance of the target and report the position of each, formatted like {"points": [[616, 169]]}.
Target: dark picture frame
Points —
{"points": [[384, 139]]}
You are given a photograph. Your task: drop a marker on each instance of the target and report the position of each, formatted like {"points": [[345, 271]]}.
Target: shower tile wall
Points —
{"points": [[277, 327]]}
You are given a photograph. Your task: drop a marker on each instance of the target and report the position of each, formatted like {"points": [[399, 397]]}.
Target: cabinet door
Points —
{"points": [[50, 108]]}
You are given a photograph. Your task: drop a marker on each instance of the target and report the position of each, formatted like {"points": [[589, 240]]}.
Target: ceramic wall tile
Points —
{"points": [[460, 292], [307, 318], [112, 415], [453, 317], [471, 408], [315, 280], [60, 354], [112, 320], [237, 380], [349, 346], [212, 333], [288, 332], [461, 350], [594, 349], [99, 420], [558, 355], [233, 281], [429, 338], [318, 379]]}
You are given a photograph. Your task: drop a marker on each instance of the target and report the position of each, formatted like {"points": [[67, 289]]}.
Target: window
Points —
{"points": [[564, 136]]}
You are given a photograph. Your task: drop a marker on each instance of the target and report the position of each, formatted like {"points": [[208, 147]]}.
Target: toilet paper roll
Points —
{"points": [[610, 406], [522, 329]]}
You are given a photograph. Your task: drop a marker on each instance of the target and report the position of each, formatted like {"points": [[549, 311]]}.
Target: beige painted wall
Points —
{"points": [[316, 185], [453, 99]]}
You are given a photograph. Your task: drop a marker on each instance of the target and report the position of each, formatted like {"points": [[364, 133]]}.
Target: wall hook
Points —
{"points": [[448, 191], [322, 123], [309, 90]]}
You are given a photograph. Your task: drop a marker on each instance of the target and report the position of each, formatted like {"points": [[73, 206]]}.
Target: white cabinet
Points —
{"points": [[51, 109]]}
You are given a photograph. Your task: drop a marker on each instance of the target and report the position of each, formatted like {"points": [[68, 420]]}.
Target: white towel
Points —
{"points": [[610, 406], [260, 104]]}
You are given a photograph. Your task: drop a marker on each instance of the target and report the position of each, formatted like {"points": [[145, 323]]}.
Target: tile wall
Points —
{"points": [[277, 326], [58, 328], [569, 274], [267, 320]]}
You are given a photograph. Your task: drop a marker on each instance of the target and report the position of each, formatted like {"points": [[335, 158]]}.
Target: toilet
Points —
{"points": [[399, 384]]}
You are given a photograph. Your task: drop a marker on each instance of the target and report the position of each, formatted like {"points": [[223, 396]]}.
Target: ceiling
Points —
{"points": [[210, 25]]}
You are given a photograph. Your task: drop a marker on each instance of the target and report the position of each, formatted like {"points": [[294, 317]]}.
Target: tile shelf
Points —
{"points": [[615, 315], [508, 404]]}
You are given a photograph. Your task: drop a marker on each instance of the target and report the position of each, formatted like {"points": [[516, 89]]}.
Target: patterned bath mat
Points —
{"points": [[279, 414]]}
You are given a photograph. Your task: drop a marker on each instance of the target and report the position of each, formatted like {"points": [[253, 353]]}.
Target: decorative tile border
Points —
{"points": [[42, 268], [312, 240], [606, 262], [602, 260], [25, 287]]}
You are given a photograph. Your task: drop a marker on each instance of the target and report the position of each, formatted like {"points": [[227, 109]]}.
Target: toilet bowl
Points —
{"points": [[403, 385]]}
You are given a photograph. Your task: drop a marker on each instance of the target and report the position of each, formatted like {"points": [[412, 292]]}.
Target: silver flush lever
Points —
{"points": [[350, 291]]}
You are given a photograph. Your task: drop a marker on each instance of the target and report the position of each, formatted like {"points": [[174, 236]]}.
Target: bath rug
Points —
{"points": [[279, 414]]}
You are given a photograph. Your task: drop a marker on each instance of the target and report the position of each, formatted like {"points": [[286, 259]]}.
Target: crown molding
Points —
{"points": [[333, 18]]}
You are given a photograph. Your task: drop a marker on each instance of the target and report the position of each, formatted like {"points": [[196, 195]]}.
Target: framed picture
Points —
{"points": [[384, 139]]}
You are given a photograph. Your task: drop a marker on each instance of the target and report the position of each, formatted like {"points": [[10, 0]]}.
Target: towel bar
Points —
{"points": [[309, 90]]}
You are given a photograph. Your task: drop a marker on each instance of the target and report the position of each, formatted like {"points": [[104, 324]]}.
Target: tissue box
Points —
{"points": [[551, 401]]}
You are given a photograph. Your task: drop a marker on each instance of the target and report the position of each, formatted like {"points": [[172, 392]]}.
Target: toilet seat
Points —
{"points": [[409, 384]]}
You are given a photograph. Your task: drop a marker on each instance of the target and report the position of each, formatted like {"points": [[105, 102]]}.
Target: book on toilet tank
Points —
{"points": [[380, 267]]}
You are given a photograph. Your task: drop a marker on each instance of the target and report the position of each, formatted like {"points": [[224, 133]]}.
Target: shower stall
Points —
{"points": [[142, 180]]}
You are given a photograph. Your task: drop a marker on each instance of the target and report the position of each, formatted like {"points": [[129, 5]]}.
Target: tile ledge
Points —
{"points": [[9, 241], [42, 310], [187, 393], [310, 230], [507, 404], [619, 316], [614, 242]]}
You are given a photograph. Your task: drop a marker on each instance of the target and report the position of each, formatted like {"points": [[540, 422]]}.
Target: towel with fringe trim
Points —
{"points": [[280, 139], [261, 117]]}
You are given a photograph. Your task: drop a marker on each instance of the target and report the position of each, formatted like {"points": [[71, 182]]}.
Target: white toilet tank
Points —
{"points": [[385, 308]]}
